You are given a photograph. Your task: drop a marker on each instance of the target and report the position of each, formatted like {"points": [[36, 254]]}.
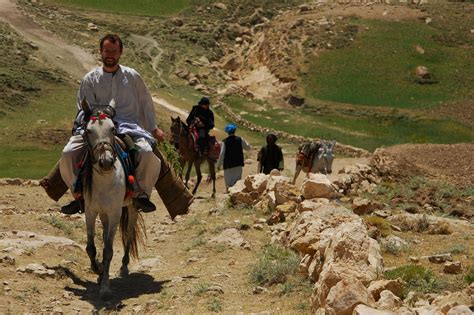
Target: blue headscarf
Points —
{"points": [[230, 128]]}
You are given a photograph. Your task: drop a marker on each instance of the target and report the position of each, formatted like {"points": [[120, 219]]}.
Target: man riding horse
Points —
{"points": [[200, 122], [124, 89]]}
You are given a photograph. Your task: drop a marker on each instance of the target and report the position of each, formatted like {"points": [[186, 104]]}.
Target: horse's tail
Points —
{"points": [[132, 230]]}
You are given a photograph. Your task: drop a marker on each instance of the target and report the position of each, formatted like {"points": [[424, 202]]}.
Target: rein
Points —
{"points": [[101, 146]]}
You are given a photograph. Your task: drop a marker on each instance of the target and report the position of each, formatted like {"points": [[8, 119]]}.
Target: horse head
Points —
{"points": [[99, 134]]}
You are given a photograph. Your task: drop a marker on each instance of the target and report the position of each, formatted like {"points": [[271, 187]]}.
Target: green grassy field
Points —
{"points": [[139, 7], [368, 132], [32, 138], [378, 68]]}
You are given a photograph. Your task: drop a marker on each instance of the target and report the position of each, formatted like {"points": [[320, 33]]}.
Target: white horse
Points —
{"points": [[320, 160], [104, 192]]}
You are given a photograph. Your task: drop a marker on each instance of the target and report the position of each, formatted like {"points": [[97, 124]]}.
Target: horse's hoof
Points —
{"points": [[105, 293], [97, 268], [123, 273]]}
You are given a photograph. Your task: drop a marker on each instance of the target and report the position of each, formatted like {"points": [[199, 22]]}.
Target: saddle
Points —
{"points": [[214, 147], [125, 148]]}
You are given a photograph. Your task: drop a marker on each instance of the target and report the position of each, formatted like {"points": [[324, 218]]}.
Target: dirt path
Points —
{"points": [[71, 59]]}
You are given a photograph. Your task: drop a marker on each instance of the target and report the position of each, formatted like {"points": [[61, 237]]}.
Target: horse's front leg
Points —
{"points": [[188, 173], [197, 166], [90, 248], [212, 171], [110, 224], [297, 172]]}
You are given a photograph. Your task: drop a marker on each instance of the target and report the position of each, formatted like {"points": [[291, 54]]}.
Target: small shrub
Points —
{"points": [[391, 247], [214, 305], [422, 224], [417, 278], [380, 223], [302, 306], [286, 288], [200, 289], [469, 277], [274, 265], [59, 224], [199, 241], [442, 228], [456, 249]]}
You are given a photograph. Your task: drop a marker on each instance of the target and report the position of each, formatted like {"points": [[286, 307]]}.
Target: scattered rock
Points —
{"points": [[230, 237], [216, 289], [7, 260], [454, 267], [440, 258], [220, 5], [419, 49], [395, 286], [258, 227], [362, 309], [259, 290], [92, 27], [318, 186], [362, 206], [414, 259], [389, 301], [177, 21], [460, 310], [38, 270], [346, 295], [150, 264]]}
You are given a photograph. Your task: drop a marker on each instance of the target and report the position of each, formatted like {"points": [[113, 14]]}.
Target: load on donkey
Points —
{"points": [[313, 157]]}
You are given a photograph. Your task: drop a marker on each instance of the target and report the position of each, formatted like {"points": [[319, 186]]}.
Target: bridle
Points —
{"points": [[103, 146]]}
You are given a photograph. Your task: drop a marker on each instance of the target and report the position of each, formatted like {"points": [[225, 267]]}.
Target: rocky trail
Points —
{"points": [[341, 236]]}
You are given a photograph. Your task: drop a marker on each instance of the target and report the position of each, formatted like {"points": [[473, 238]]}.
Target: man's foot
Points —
{"points": [[73, 207], [143, 203]]}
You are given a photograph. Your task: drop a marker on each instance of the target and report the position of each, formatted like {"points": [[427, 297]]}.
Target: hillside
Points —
{"points": [[389, 231]]}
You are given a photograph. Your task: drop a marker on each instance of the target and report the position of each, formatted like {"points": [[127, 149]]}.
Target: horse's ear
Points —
{"points": [[172, 119], [333, 143], [86, 107]]}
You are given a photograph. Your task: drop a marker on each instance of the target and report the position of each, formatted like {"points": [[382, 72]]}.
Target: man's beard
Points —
{"points": [[110, 62]]}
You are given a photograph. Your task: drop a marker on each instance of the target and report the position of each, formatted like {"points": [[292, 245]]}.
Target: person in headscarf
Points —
{"points": [[232, 156], [270, 156]]}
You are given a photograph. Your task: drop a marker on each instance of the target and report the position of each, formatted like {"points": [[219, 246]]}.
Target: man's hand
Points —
{"points": [[158, 134]]}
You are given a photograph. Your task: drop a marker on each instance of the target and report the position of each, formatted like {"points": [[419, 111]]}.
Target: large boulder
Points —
{"points": [[388, 301], [306, 231], [363, 206], [346, 295], [257, 182], [285, 192], [230, 237], [351, 253], [362, 309], [312, 204], [318, 186], [395, 286]]}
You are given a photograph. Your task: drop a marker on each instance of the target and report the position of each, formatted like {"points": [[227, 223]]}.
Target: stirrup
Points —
{"points": [[142, 203], [75, 206]]}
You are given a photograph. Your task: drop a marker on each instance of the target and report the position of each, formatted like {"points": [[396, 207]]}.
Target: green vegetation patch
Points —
{"points": [[417, 278], [140, 7], [368, 130], [274, 266], [378, 69]]}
